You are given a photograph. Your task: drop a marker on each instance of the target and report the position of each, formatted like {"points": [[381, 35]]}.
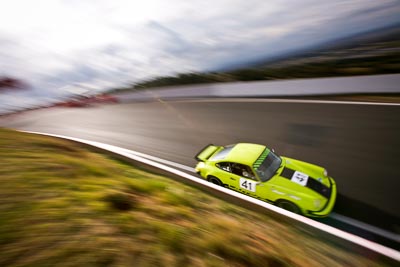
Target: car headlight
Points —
{"points": [[325, 172], [317, 203]]}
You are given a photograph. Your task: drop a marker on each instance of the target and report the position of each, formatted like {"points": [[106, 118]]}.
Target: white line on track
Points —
{"points": [[279, 100], [365, 226], [170, 163], [391, 253]]}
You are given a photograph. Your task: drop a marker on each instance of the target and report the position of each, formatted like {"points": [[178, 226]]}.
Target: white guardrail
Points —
{"points": [[350, 241]]}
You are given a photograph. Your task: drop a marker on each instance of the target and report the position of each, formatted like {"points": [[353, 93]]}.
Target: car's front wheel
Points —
{"points": [[214, 180], [287, 205]]}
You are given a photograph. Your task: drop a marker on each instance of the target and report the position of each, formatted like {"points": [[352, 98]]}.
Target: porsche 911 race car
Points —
{"points": [[257, 171]]}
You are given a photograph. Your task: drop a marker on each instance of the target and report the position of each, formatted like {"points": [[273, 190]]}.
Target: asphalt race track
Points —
{"points": [[359, 144]]}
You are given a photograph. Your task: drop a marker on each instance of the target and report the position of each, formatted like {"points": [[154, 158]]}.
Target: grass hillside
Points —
{"points": [[62, 205]]}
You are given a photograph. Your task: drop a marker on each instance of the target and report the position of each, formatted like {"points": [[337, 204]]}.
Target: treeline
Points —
{"points": [[382, 64], [184, 79]]}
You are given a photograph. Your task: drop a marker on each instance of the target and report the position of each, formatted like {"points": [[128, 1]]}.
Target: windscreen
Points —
{"points": [[268, 166]]}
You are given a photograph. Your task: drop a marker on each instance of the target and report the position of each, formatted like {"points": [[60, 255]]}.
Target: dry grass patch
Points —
{"points": [[62, 205]]}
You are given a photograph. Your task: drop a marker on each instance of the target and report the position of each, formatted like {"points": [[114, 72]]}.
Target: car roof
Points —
{"points": [[245, 153]]}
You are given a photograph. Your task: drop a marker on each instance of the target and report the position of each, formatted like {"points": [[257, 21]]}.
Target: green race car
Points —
{"points": [[257, 171]]}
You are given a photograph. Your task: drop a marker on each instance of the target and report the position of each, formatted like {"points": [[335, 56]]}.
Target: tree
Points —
{"points": [[8, 83]]}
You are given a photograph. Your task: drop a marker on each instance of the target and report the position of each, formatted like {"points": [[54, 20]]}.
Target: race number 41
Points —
{"points": [[247, 184]]}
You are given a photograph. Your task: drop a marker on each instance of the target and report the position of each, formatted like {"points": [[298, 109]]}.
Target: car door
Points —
{"points": [[250, 184], [267, 191], [244, 179]]}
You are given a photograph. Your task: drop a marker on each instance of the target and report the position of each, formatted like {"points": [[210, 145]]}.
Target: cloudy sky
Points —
{"points": [[59, 45]]}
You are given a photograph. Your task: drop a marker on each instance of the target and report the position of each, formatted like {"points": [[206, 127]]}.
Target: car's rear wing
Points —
{"points": [[207, 152]]}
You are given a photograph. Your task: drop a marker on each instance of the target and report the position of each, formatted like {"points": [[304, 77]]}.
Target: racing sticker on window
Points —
{"points": [[300, 178], [248, 184]]}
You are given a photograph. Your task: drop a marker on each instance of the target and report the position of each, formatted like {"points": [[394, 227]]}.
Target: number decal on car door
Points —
{"points": [[248, 184]]}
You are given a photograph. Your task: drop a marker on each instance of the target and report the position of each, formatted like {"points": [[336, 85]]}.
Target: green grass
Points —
{"points": [[62, 205]]}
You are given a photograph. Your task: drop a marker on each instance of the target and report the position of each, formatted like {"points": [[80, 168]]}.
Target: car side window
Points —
{"points": [[243, 170], [226, 166], [236, 169]]}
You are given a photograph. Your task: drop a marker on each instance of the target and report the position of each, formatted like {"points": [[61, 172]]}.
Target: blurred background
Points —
{"points": [[60, 49]]}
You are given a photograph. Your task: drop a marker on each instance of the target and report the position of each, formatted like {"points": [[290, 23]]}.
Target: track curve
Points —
{"points": [[358, 144]]}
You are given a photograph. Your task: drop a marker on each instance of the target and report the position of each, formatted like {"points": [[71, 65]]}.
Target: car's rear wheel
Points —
{"points": [[287, 205], [214, 180]]}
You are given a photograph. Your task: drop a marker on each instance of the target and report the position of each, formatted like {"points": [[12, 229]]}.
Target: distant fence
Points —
{"points": [[387, 84]]}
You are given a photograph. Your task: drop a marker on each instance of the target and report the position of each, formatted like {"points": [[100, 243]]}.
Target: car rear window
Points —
{"points": [[222, 154]]}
